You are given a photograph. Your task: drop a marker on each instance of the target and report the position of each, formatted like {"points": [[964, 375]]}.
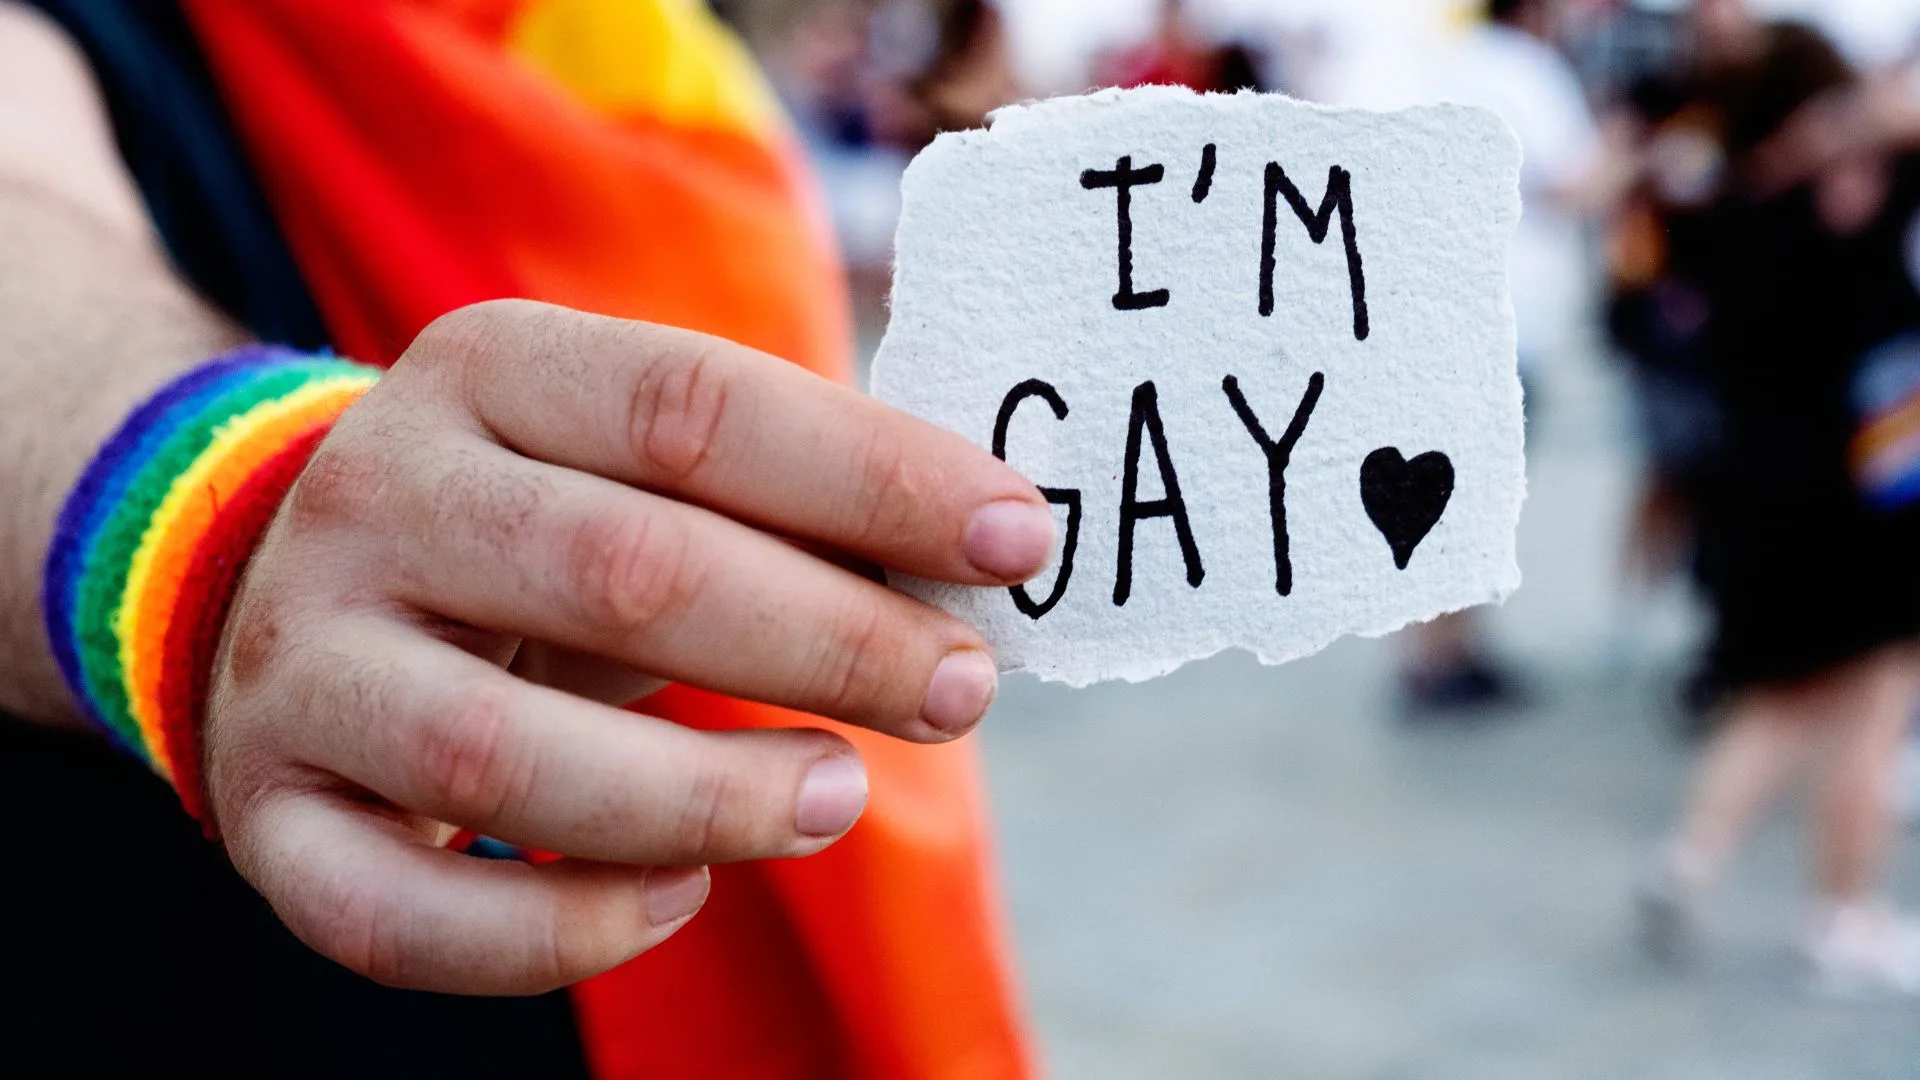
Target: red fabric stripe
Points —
{"points": [[206, 592]]}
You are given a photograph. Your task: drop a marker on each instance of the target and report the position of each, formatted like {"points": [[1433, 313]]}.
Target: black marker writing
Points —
{"points": [[1067, 497], [1124, 177], [1204, 182], [1278, 454], [1339, 196], [1146, 416]]}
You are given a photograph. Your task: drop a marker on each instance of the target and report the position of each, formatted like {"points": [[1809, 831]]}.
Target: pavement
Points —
{"points": [[1239, 871]]}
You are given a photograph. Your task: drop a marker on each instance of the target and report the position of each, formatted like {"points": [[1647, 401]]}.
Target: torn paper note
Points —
{"points": [[1258, 353]]}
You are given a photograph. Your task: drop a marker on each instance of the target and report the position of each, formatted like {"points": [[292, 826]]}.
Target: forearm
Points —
{"points": [[92, 320], [90, 323], [1896, 108]]}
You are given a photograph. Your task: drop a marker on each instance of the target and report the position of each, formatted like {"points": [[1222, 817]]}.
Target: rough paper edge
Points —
{"points": [[1010, 118]]}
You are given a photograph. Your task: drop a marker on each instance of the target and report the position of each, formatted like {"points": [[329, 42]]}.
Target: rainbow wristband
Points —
{"points": [[149, 547]]}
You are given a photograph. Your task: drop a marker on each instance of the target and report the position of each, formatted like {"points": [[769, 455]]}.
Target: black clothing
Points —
{"points": [[1803, 573], [134, 949]]}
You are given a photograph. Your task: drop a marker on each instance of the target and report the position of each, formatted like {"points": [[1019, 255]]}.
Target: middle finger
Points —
{"points": [[683, 593]]}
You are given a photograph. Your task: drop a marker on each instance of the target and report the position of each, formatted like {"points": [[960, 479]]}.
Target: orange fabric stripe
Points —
{"points": [[417, 162], [1886, 430], [246, 442]]}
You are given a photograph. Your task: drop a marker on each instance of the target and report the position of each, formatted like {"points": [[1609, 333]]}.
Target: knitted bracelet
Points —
{"points": [[149, 547]]}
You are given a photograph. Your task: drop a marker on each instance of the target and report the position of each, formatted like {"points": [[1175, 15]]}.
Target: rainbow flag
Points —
{"points": [[1884, 454]]}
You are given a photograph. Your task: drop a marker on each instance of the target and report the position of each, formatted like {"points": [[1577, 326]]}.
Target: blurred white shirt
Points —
{"points": [[1535, 90]]}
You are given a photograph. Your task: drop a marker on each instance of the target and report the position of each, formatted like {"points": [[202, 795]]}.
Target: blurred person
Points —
{"points": [[1806, 528], [820, 62], [1175, 55], [845, 101], [540, 514], [1657, 315], [896, 73], [970, 73], [1569, 171], [868, 86], [1656, 320], [1509, 64]]}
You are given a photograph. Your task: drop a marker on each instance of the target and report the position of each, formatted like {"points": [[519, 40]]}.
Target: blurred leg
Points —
{"points": [[1657, 536], [1863, 711], [1854, 817], [1860, 943], [1741, 771]]}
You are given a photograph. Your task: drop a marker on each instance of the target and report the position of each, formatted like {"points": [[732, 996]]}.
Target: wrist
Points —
{"points": [[152, 539]]}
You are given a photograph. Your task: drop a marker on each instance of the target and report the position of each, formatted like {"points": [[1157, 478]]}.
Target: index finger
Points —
{"points": [[761, 440]]}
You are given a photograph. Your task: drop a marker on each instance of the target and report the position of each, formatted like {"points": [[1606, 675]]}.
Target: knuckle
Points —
{"points": [[241, 773], [257, 638], [358, 924], [708, 818], [579, 944], [630, 570], [244, 773], [469, 762], [589, 931], [852, 661], [679, 405], [336, 485], [268, 682], [888, 495], [476, 330]]}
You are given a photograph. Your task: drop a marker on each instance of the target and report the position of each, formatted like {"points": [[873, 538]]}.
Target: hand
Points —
{"points": [[1832, 127], [536, 516]]}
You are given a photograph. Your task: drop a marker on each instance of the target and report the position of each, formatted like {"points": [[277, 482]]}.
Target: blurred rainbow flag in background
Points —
{"points": [[1884, 455]]}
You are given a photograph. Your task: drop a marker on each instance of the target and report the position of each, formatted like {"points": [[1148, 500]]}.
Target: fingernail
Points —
{"points": [[832, 796], [675, 892], [962, 688], [1009, 539]]}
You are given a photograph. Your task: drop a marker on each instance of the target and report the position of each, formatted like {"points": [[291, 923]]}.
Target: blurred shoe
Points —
{"points": [[1864, 951], [1471, 686], [1701, 694], [1670, 916]]}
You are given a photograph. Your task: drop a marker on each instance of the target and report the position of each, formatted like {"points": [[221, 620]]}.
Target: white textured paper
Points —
{"points": [[1007, 271]]}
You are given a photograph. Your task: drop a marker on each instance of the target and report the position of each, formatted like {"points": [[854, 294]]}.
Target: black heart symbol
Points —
{"points": [[1405, 498]]}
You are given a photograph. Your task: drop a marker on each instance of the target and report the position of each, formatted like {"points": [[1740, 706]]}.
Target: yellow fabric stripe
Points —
{"points": [[258, 433], [1887, 430], [670, 59]]}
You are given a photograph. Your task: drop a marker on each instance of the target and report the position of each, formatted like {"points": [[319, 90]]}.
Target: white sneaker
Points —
{"points": [[1864, 950]]}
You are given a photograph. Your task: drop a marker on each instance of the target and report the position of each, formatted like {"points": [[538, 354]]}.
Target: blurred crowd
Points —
{"points": [[1738, 201], [1724, 198], [869, 82], [1762, 242]]}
